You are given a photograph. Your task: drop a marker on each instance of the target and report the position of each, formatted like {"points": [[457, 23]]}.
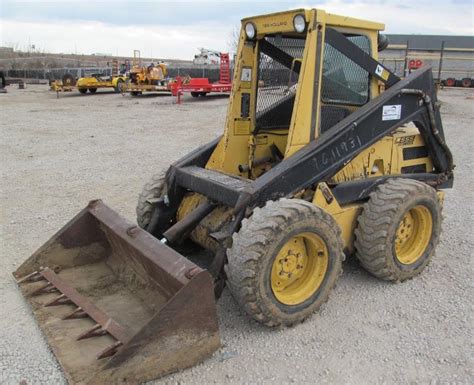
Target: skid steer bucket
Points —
{"points": [[115, 304]]}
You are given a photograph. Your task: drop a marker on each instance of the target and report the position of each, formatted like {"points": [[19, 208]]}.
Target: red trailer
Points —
{"points": [[202, 86]]}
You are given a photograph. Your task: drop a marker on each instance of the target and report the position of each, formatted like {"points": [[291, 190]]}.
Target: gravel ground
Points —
{"points": [[57, 154]]}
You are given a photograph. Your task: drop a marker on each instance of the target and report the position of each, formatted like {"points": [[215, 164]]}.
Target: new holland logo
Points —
{"points": [[275, 24]]}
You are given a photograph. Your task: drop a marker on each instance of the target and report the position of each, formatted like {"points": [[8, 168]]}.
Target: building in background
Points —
{"points": [[451, 57]]}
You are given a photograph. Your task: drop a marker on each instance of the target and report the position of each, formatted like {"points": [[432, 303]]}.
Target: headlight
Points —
{"points": [[299, 23], [250, 31]]}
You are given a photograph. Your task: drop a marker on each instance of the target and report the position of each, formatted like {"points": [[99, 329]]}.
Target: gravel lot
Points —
{"points": [[57, 154]]}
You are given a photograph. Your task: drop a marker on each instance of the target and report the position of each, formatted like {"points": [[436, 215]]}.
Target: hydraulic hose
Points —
{"points": [[433, 126]]}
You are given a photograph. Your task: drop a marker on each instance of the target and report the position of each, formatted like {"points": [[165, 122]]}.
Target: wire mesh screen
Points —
{"points": [[277, 83], [345, 82]]}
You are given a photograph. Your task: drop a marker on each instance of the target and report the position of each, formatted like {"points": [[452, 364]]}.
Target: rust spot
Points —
{"points": [[192, 272], [133, 231], [94, 203]]}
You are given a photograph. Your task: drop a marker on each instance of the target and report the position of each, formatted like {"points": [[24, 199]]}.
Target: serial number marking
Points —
{"points": [[405, 140], [334, 154]]}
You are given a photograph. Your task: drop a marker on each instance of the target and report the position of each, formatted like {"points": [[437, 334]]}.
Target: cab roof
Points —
{"points": [[328, 18]]}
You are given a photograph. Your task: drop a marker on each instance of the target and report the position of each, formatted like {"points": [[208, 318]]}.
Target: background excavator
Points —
{"points": [[325, 153]]}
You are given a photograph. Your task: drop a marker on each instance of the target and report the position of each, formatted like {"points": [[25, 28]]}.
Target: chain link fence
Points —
{"points": [[210, 72]]}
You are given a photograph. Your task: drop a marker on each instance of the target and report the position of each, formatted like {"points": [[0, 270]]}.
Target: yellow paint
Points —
{"points": [[299, 268], [234, 148], [92, 82], [239, 146], [345, 216], [413, 235], [441, 195], [385, 74], [241, 127]]}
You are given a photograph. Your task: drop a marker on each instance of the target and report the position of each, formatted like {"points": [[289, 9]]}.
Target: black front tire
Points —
{"points": [[92, 90], [119, 86], [255, 248], [68, 80], [151, 191]]}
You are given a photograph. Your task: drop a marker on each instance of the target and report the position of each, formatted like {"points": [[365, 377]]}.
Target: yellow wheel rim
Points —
{"points": [[413, 235], [299, 268]]}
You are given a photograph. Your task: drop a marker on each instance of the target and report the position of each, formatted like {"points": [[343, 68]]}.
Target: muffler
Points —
{"points": [[115, 304]]}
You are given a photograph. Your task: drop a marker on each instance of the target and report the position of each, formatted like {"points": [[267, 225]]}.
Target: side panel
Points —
{"points": [[410, 154], [345, 216], [238, 145], [232, 150]]}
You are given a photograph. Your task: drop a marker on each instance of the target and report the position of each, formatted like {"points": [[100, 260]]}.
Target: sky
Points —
{"points": [[176, 29]]}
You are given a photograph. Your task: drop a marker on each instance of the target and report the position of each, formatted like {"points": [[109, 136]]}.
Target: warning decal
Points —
{"points": [[393, 112], [381, 72]]}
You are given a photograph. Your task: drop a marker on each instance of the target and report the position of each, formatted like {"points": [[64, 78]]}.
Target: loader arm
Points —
{"points": [[321, 159]]}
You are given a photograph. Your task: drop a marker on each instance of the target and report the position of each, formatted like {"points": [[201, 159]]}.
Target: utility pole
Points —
{"points": [[440, 65]]}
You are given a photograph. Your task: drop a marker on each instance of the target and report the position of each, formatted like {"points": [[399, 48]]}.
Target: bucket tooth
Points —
{"points": [[154, 308], [76, 314], [48, 288], [60, 300], [95, 331], [35, 276], [109, 351]]}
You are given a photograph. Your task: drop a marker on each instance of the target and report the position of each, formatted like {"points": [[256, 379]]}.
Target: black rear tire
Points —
{"points": [[194, 94], [68, 80], [450, 82], [377, 233], [92, 90], [466, 82], [119, 86], [83, 90]]}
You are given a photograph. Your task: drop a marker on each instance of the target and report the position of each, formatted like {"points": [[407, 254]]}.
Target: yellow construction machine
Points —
{"points": [[146, 78], [315, 163], [94, 81], [89, 83]]}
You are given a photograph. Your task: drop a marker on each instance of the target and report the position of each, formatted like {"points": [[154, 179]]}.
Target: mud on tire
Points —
{"points": [[257, 244], [152, 190], [378, 223]]}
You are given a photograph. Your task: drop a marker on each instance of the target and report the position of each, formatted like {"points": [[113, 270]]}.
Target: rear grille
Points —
{"points": [[415, 152], [415, 169]]}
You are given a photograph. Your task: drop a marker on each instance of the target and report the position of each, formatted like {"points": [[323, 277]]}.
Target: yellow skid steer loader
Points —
{"points": [[325, 153]]}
